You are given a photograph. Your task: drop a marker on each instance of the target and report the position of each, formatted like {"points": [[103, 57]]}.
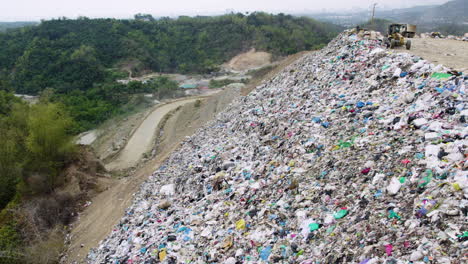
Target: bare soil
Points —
{"points": [[187, 119], [249, 60], [451, 53]]}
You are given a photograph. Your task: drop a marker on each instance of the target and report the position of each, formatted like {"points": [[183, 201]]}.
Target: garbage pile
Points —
{"points": [[354, 154]]}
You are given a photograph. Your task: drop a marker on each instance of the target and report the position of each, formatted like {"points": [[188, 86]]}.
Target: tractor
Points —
{"points": [[397, 33]]}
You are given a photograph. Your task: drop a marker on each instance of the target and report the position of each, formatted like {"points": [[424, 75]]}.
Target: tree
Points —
{"points": [[10, 169], [144, 17], [84, 53], [12, 133], [48, 143]]}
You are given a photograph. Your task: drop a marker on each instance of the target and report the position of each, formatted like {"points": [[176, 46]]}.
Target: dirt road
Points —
{"points": [[451, 53], [143, 138]]}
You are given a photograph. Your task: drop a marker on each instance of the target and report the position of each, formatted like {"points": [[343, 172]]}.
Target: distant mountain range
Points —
{"points": [[453, 12], [450, 18], [4, 26]]}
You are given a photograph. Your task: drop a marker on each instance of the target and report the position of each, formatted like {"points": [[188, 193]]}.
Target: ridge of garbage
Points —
{"points": [[354, 154]]}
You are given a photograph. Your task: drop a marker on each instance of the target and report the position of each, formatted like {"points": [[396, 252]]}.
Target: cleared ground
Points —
{"points": [[248, 60], [451, 53]]}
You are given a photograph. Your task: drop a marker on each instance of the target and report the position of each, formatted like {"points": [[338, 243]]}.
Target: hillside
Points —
{"points": [[452, 12], [450, 18], [380, 25], [78, 61], [351, 155], [71, 54], [44, 179]]}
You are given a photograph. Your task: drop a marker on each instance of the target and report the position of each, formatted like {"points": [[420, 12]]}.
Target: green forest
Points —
{"points": [[77, 61], [36, 144]]}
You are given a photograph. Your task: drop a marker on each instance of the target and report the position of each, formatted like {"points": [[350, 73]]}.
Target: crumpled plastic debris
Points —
{"points": [[353, 154]]}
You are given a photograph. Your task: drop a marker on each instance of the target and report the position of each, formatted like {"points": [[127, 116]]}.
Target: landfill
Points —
{"points": [[354, 154]]}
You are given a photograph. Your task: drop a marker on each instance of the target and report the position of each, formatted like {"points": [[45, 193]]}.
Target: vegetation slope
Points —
{"points": [[82, 58]]}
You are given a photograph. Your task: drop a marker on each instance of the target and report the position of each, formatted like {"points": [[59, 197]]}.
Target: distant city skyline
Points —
{"points": [[33, 10]]}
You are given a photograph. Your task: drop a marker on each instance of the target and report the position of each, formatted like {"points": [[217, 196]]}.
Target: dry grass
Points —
{"points": [[46, 250]]}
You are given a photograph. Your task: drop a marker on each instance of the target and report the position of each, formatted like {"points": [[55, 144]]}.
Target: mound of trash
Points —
{"points": [[354, 154]]}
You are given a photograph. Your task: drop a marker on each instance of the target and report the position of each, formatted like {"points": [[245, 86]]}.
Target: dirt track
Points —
{"points": [[451, 53], [143, 138]]}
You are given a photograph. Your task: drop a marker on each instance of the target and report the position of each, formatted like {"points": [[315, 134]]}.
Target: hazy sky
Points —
{"points": [[14, 10]]}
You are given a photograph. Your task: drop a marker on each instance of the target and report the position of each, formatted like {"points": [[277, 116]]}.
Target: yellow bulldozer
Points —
{"points": [[396, 35]]}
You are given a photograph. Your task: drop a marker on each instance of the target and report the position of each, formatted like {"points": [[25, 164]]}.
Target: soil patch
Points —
{"points": [[249, 60], [450, 53]]}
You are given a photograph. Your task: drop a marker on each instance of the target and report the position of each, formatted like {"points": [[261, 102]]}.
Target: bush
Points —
{"points": [[9, 237], [46, 250], [49, 145], [51, 211], [221, 83], [36, 144], [258, 73]]}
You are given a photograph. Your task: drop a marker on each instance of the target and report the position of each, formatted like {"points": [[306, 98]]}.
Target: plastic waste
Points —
{"points": [[314, 226], [389, 249], [265, 253], [240, 225], [353, 154], [340, 214]]}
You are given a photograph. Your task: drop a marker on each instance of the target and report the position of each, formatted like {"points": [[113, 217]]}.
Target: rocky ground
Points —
{"points": [[354, 154]]}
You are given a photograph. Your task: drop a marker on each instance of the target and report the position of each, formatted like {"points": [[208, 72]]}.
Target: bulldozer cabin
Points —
{"points": [[397, 34]]}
